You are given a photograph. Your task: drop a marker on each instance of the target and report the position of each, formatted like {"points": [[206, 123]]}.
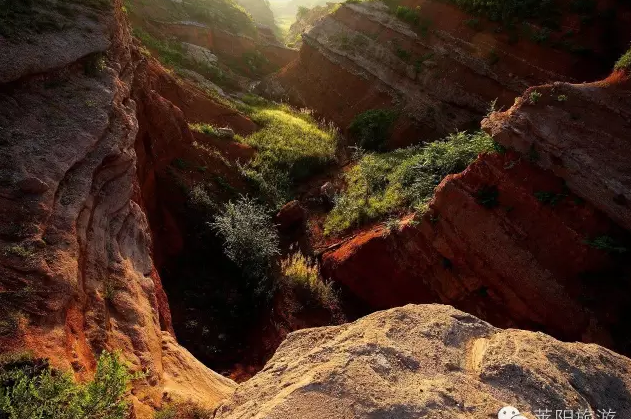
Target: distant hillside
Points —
{"points": [[260, 11], [305, 19]]}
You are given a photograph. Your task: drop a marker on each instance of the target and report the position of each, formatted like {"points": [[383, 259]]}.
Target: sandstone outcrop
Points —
{"points": [[440, 74], [537, 239], [76, 269], [581, 134], [430, 361]]}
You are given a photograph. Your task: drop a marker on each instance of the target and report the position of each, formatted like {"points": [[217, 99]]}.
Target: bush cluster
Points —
{"points": [[29, 388], [372, 128], [624, 63], [380, 184]]}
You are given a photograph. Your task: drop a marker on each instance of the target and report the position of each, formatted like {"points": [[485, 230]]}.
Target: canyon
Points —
{"points": [[119, 153]]}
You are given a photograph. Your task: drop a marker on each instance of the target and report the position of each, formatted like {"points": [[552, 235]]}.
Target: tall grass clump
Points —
{"points": [[29, 388], [303, 276], [381, 184], [624, 63], [291, 145]]}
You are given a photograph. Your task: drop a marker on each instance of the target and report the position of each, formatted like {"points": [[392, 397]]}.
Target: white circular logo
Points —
{"points": [[510, 412]]}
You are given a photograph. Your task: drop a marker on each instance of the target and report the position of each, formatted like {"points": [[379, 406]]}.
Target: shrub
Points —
{"points": [[408, 15], [488, 196], [302, 12], [624, 63], [381, 184], [303, 275], [187, 410], [534, 97], [250, 238], [606, 244], [31, 389], [372, 128]]}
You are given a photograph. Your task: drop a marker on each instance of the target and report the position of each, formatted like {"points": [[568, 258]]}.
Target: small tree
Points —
{"points": [[302, 11]]}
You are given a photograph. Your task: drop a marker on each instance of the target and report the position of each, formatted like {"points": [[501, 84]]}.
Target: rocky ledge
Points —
{"points": [[431, 361]]}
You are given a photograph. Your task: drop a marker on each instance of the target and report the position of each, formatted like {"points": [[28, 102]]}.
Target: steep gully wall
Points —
{"points": [[525, 257], [85, 127], [442, 77]]}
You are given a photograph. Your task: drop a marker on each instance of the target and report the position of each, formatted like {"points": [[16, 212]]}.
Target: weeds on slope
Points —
{"points": [[291, 145], [381, 184]]}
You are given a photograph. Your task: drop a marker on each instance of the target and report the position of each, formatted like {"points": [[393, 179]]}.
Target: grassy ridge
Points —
{"points": [[381, 184], [291, 145]]}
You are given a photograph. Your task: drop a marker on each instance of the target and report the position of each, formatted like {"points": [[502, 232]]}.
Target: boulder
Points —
{"points": [[291, 215], [431, 361]]}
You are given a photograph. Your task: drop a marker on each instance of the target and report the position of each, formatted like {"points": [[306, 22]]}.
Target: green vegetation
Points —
{"points": [[172, 54], [29, 388], [607, 244], [18, 250], [372, 128], [94, 64], [624, 63], [534, 97], [402, 53], [562, 98], [302, 12], [223, 14], [186, 410], [303, 276], [408, 15], [510, 11], [249, 236], [291, 145], [382, 184]]}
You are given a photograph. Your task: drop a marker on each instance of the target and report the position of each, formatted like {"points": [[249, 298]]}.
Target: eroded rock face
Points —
{"points": [[441, 75], [430, 361], [503, 240], [535, 239], [579, 132], [76, 269]]}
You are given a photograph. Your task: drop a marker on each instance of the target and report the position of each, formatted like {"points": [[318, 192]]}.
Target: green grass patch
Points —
{"points": [[624, 63], [511, 11], [291, 145], [381, 184]]}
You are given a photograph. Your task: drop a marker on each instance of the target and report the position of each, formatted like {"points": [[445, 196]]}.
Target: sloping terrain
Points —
{"points": [[433, 362], [437, 65], [77, 274], [533, 236]]}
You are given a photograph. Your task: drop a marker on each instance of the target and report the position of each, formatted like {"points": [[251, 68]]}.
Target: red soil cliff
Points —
{"points": [[533, 239]]}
